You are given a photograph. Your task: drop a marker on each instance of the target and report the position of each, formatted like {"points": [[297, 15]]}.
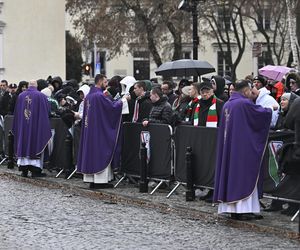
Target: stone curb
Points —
{"points": [[190, 213]]}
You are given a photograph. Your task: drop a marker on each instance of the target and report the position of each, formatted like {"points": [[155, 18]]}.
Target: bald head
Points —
{"points": [[32, 83]]}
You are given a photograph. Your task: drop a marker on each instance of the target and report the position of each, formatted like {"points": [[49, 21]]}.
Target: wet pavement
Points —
{"points": [[54, 213]]}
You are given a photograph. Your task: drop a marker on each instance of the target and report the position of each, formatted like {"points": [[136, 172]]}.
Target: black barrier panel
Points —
{"points": [[289, 186], [130, 161], [57, 157], [270, 173], [160, 150], [204, 143], [8, 122], [76, 142]]}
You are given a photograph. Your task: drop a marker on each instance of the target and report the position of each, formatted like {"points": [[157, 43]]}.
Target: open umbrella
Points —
{"points": [[274, 72], [184, 67]]}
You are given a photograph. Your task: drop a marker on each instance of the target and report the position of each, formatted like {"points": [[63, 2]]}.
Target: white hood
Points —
{"points": [[85, 89]]}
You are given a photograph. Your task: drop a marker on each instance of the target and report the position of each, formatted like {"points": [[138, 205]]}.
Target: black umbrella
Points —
{"points": [[184, 67]]}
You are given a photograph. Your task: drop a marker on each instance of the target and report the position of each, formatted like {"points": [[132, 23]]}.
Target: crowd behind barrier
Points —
{"points": [[202, 140]]}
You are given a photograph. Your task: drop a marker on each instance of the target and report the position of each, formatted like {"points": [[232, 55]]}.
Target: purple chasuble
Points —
{"points": [[31, 124], [99, 133], [242, 137]]}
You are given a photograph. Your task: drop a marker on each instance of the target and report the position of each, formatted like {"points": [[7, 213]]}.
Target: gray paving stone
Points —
{"points": [[51, 213]]}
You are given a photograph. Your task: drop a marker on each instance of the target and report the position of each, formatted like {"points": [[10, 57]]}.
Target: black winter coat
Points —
{"points": [[145, 106], [161, 112]]}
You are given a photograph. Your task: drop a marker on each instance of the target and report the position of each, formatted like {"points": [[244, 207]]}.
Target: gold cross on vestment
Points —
{"points": [[87, 106], [227, 116], [27, 112]]}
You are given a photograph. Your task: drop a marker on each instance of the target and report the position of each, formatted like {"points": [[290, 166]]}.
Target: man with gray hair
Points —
{"points": [[32, 131]]}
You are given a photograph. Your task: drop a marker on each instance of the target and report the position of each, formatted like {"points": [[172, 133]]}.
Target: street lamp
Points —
{"points": [[191, 6]]}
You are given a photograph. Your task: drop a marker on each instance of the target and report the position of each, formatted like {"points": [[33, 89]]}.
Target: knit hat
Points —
{"points": [[286, 96], [47, 92], [261, 79], [12, 86], [206, 85]]}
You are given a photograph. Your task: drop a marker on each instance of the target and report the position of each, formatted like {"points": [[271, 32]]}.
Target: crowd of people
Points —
{"points": [[244, 110]]}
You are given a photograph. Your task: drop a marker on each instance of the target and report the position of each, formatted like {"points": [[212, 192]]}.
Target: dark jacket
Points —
{"points": [[204, 108], [171, 97], [180, 110], [280, 124], [145, 106], [5, 102], [219, 92], [161, 112], [292, 122]]}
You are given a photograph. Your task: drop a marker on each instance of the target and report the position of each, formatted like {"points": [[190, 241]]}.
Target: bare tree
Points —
{"points": [[270, 18], [137, 23], [292, 21], [226, 21]]}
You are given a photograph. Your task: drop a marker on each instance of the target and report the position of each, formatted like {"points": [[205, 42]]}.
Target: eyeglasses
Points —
{"points": [[292, 82]]}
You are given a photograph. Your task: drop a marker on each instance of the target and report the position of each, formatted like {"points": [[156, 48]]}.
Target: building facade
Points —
{"points": [[140, 64], [32, 39]]}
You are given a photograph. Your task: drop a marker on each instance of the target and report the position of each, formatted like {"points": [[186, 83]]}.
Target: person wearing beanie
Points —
{"points": [[23, 85], [263, 98], [292, 82], [259, 82], [207, 111]]}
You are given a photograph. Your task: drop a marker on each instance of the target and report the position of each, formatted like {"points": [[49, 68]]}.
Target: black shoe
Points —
{"points": [[101, 185], [23, 168], [253, 216], [36, 174], [246, 216], [24, 173], [240, 217]]}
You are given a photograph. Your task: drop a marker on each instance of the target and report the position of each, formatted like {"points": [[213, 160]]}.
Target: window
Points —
{"points": [[263, 59], [141, 54], [264, 18], [186, 55], [224, 19], [223, 63]]}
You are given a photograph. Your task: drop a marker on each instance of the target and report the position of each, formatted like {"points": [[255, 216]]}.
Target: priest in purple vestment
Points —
{"points": [[242, 139], [31, 129], [101, 123]]}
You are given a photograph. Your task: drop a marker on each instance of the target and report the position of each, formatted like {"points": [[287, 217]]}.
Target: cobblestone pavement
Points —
{"points": [[39, 217]]}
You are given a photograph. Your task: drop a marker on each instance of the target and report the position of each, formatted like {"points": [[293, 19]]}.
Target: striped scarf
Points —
{"points": [[212, 118]]}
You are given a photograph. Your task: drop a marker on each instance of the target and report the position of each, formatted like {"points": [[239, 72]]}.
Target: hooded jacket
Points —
{"points": [[282, 115], [219, 92], [265, 100]]}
